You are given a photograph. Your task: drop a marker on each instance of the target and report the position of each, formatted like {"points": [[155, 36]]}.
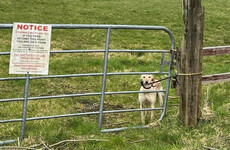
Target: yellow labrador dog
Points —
{"points": [[147, 82]]}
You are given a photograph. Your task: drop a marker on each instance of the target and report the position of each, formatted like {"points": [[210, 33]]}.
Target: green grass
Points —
{"points": [[170, 134]]}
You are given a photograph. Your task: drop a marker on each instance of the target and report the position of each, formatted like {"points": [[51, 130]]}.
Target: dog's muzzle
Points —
{"points": [[146, 83]]}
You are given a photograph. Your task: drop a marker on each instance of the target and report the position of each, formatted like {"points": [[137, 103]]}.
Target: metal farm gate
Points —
{"points": [[104, 74]]}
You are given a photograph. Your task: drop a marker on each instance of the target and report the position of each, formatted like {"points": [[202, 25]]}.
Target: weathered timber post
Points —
{"points": [[190, 73]]}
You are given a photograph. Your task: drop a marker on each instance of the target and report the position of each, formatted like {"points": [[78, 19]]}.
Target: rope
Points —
{"points": [[174, 77], [189, 74]]}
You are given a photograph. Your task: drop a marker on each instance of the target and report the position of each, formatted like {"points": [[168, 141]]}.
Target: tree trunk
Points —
{"points": [[190, 75]]}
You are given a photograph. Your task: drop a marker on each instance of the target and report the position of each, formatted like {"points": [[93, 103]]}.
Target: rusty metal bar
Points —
{"points": [[219, 50], [216, 78]]}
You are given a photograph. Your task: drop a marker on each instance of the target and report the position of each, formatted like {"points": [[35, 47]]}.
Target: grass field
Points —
{"points": [[213, 131]]}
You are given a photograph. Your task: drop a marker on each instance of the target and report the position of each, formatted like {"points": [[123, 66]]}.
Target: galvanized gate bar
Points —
{"points": [[24, 108], [7, 142], [167, 88], [79, 94], [81, 114], [81, 75], [162, 62], [90, 26], [106, 55], [100, 51]]}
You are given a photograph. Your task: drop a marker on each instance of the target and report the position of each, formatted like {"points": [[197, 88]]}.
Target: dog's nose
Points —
{"points": [[146, 82]]}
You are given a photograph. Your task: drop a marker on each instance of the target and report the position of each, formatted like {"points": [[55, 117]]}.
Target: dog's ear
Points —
{"points": [[153, 79], [158, 85], [141, 82]]}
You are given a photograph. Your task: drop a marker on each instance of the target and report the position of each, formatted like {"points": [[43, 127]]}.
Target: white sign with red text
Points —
{"points": [[30, 49]]}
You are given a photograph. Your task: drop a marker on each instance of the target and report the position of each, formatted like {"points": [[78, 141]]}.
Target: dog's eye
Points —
{"points": [[149, 76], [143, 76]]}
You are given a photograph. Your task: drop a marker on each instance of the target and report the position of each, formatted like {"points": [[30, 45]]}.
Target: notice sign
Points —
{"points": [[30, 48]]}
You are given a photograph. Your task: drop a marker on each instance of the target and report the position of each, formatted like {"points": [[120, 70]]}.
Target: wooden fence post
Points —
{"points": [[190, 75]]}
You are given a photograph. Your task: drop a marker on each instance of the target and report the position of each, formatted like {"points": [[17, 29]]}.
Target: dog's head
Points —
{"points": [[147, 78]]}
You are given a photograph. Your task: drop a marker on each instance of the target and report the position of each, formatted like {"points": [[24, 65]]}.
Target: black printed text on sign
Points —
{"points": [[30, 49]]}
